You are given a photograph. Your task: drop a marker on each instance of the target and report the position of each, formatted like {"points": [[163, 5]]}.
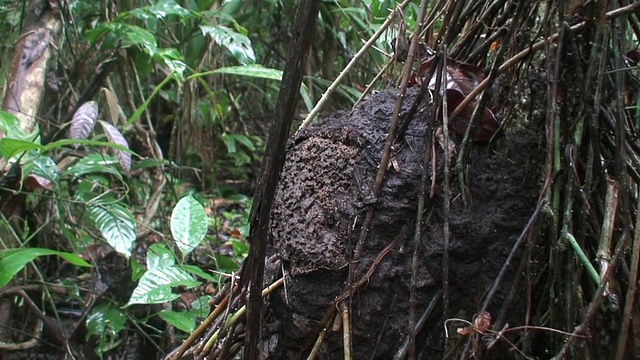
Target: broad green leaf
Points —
{"points": [[13, 260], [229, 142], [240, 248], [183, 321], [67, 142], [116, 225], [238, 44], [188, 224], [103, 316], [94, 164], [158, 256], [129, 35], [246, 141], [10, 128], [174, 61], [225, 264], [150, 163], [42, 166], [156, 285], [194, 270], [160, 10], [257, 71], [105, 321], [12, 147]]}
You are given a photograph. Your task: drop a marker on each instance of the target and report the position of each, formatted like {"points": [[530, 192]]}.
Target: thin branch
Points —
{"points": [[316, 109]]}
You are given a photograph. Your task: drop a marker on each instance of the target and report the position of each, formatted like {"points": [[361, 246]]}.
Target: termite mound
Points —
{"points": [[320, 206]]}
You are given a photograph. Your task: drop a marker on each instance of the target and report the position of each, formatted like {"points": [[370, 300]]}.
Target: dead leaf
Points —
{"points": [[462, 79], [235, 233], [37, 182]]}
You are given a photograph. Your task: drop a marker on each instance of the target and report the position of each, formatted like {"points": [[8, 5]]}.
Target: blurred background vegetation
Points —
{"points": [[190, 86]]}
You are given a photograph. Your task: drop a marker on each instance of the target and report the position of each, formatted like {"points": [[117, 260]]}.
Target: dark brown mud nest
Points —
{"points": [[319, 210]]}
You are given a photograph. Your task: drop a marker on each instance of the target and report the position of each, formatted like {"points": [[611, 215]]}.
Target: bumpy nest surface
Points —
{"points": [[320, 205]]}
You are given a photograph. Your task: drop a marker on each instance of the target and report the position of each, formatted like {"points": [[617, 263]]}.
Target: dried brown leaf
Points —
{"points": [[115, 136]]}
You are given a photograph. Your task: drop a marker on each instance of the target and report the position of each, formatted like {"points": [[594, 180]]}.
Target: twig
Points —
{"points": [[383, 328], [366, 91], [596, 300], [402, 352], [361, 282], [420, 212], [446, 198], [202, 328], [630, 300], [374, 265], [316, 346], [316, 109], [593, 273], [507, 263], [238, 315], [346, 332], [611, 208]]}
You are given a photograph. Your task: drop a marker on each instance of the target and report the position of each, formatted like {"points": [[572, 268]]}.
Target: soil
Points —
{"points": [[320, 207]]}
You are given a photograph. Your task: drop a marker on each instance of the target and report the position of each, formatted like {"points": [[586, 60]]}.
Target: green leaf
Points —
{"points": [[116, 225], [130, 35], [150, 163], [174, 61], [246, 141], [188, 224], [42, 166], [238, 44], [240, 248], [12, 147], [13, 260], [180, 320], [260, 72], [225, 264], [229, 142], [94, 164], [255, 71], [160, 10], [10, 127], [158, 256], [156, 285], [66, 142], [194, 270], [105, 321], [103, 316]]}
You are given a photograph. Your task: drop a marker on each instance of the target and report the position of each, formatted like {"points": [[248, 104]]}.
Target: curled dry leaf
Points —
{"points": [[115, 136], [481, 324], [460, 80], [83, 121]]}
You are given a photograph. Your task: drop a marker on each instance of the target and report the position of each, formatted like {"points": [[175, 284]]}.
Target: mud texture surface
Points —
{"points": [[320, 206]]}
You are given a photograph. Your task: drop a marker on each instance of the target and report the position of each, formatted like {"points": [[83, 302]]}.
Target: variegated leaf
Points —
{"points": [[115, 136], [83, 121]]}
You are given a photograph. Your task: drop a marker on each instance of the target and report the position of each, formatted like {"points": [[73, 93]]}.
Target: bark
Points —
{"points": [[26, 82]]}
